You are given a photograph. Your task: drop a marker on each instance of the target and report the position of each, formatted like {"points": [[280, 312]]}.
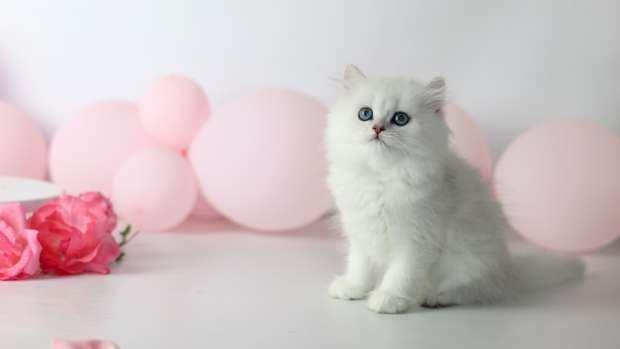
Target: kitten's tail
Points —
{"points": [[536, 270]]}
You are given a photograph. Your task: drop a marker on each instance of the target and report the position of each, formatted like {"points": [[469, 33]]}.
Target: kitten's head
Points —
{"points": [[382, 121]]}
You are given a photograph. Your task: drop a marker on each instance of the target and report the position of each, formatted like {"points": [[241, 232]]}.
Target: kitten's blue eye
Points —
{"points": [[365, 114], [400, 119]]}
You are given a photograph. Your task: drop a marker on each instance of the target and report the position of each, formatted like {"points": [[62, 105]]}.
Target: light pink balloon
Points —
{"points": [[23, 148], [560, 185], [155, 189], [173, 109], [88, 149], [468, 141], [260, 160]]}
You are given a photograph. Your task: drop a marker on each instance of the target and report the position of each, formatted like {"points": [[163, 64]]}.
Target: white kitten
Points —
{"points": [[422, 224]]}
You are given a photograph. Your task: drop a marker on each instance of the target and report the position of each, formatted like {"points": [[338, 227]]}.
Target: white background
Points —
{"points": [[511, 64]]}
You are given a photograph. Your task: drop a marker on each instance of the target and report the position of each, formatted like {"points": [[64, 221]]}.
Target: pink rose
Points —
{"points": [[19, 248], [76, 234], [90, 344]]}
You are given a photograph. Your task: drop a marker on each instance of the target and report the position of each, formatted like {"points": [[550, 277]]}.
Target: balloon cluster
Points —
{"points": [[134, 153], [258, 161]]}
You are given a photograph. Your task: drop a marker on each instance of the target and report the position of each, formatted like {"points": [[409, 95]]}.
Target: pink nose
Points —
{"points": [[378, 129]]}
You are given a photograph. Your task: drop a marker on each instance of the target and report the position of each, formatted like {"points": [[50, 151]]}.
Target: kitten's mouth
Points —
{"points": [[377, 139]]}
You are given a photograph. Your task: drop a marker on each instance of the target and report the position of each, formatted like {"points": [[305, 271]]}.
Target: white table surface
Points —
{"points": [[219, 286]]}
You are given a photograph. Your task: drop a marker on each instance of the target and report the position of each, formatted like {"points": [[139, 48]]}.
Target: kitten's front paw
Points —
{"points": [[383, 302], [343, 289]]}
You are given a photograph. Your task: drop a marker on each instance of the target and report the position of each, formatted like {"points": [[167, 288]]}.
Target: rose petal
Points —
{"points": [[108, 252], [8, 239], [14, 216], [20, 247], [87, 344], [35, 250], [16, 270]]}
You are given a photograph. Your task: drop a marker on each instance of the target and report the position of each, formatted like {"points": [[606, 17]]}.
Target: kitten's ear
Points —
{"points": [[435, 93], [352, 76]]}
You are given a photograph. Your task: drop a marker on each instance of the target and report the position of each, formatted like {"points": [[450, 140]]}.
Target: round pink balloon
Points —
{"points": [[23, 149], [173, 109], [88, 149], [260, 161], [155, 189], [559, 185], [468, 141]]}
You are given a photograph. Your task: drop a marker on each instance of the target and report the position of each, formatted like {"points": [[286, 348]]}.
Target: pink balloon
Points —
{"points": [[155, 189], [468, 141], [260, 161], [204, 210], [23, 148], [559, 185], [173, 109], [88, 149]]}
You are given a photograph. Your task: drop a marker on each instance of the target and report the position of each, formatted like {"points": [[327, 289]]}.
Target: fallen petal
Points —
{"points": [[87, 344]]}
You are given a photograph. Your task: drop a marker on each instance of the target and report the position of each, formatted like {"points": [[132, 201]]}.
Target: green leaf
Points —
{"points": [[126, 237]]}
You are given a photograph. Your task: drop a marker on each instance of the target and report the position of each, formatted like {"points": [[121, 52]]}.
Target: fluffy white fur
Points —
{"points": [[422, 226]]}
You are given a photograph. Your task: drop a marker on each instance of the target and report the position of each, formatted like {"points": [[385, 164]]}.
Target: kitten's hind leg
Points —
{"points": [[460, 296], [437, 301], [476, 291], [432, 303]]}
